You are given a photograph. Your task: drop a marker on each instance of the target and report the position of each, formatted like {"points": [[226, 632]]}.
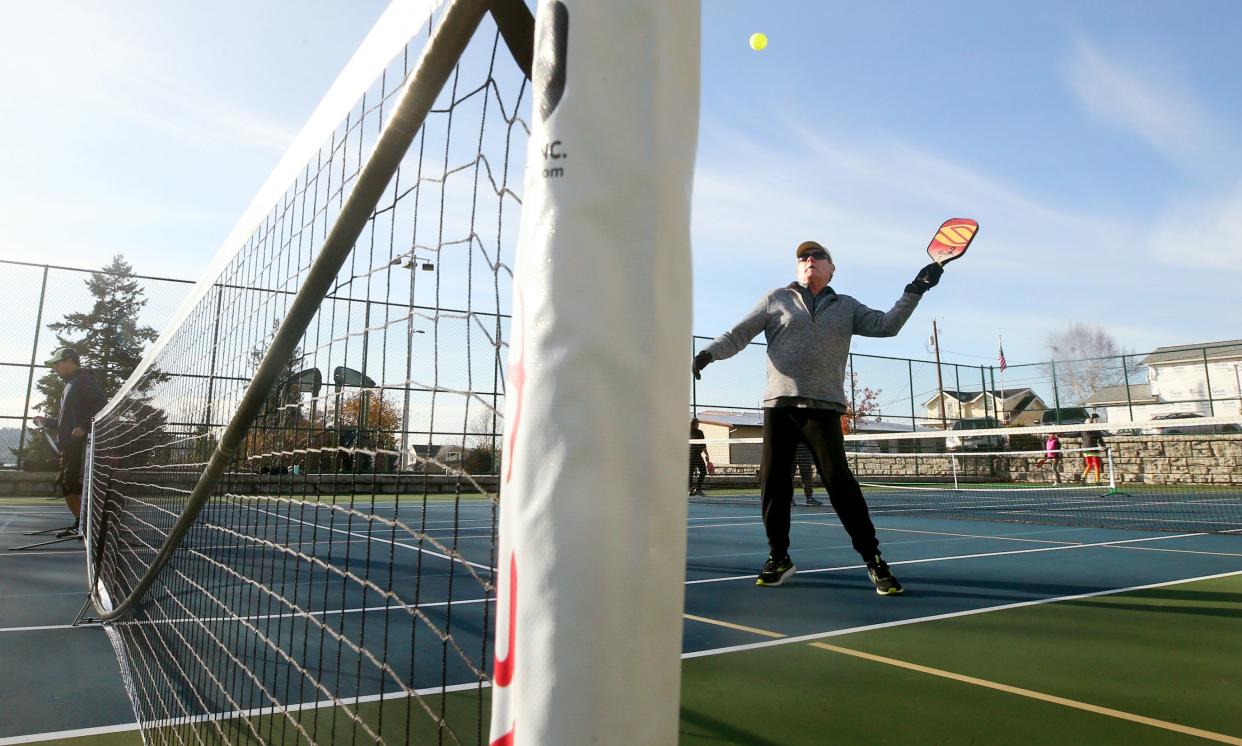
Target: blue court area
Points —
{"points": [[304, 603], [947, 567], [434, 629], [1007, 633]]}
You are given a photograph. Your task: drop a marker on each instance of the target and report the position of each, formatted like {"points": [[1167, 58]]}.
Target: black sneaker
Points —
{"points": [[68, 533], [885, 583], [775, 571], [811, 501]]}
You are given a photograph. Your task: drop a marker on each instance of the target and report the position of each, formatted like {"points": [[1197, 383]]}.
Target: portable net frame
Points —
{"points": [[291, 507], [1148, 478]]}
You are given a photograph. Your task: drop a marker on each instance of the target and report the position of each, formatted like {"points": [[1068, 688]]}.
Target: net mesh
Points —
{"points": [[335, 587], [1154, 477]]}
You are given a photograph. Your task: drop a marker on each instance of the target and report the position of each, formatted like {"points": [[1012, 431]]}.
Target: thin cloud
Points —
{"points": [[1203, 233], [170, 106], [877, 200], [116, 76], [1152, 104], [883, 198]]}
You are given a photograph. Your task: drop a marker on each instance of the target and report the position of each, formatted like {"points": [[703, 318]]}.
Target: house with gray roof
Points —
{"points": [[1203, 378], [1123, 403], [1020, 406]]}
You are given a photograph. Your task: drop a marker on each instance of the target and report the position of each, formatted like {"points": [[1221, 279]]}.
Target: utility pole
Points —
{"points": [[944, 422]]}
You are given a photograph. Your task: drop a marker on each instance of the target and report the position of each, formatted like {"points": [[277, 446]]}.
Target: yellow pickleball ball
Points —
{"points": [[758, 42]]}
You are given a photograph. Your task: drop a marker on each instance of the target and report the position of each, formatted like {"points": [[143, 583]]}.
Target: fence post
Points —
{"points": [[1207, 379], [983, 386], [694, 381], [957, 384], [1125, 379], [1000, 401], [34, 355], [1237, 382], [1056, 395], [853, 400], [914, 423]]}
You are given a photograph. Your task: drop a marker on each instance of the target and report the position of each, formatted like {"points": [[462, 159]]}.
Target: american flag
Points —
{"points": [[1001, 359]]}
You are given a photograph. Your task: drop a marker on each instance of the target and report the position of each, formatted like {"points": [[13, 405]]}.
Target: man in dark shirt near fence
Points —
{"points": [[808, 328], [81, 401], [698, 459]]}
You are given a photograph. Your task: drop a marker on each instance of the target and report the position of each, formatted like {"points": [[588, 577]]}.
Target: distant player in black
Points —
{"points": [[698, 458], [804, 465], [81, 400]]}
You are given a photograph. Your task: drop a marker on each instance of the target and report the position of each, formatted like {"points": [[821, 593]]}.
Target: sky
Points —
{"points": [[1099, 145]]}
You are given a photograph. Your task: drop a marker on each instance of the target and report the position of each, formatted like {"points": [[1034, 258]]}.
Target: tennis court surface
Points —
{"points": [[292, 508], [1007, 633]]}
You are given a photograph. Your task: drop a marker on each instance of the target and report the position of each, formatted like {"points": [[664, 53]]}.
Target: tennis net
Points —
{"points": [[1187, 478], [291, 507]]}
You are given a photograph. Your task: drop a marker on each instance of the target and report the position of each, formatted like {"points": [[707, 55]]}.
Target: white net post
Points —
{"points": [[1112, 475], [592, 548]]}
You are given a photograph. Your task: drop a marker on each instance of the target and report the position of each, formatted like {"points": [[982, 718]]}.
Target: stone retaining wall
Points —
{"points": [[28, 484], [1137, 459]]}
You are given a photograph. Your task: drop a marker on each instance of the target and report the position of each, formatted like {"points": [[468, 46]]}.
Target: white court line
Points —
{"points": [[327, 613], [12, 741], [259, 711], [947, 537], [1180, 551], [751, 576], [462, 560], [309, 543], [948, 615]]}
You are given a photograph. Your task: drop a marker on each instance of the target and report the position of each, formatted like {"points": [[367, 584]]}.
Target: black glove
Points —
{"points": [[926, 279], [700, 362]]}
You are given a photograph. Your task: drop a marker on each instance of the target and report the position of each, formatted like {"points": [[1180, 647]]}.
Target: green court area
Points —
{"points": [[1158, 666]]}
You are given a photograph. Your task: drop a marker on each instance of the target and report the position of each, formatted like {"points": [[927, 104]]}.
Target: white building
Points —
{"points": [[1204, 379]]}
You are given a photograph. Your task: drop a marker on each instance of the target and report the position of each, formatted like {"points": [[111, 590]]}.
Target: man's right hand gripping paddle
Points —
{"points": [[949, 243]]}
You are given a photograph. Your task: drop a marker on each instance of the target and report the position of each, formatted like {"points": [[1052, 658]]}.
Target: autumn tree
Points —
{"points": [[864, 403]]}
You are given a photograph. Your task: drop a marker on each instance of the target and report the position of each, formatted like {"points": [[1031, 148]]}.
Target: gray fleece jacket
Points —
{"points": [[809, 341]]}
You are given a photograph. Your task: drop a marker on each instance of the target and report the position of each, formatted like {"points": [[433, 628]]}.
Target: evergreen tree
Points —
{"points": [[108, 336], [109, 340]]}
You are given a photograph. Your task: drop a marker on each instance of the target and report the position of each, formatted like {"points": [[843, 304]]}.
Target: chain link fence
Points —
{"points": [[37, 295], [1160, 391]]}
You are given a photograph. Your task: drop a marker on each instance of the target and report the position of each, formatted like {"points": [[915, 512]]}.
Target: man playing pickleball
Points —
{"points": [[808, 328]]}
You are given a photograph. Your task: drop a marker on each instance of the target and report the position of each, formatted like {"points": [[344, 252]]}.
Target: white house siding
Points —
{"points": [[1183, 387]]}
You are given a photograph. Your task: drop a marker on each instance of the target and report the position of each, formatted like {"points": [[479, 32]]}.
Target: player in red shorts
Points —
{"points": [[1091, 458]]}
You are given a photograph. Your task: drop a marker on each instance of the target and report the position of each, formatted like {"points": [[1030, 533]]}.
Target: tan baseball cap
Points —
{"points": [[806, 246], [64, 353]]}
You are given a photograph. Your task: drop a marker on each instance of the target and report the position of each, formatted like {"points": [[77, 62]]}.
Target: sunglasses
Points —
{"points": [[817, 255]]}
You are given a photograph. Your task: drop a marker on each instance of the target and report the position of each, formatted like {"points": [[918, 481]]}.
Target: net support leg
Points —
{"points": [[1112, 475], [47, 531], [28, 547]]}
